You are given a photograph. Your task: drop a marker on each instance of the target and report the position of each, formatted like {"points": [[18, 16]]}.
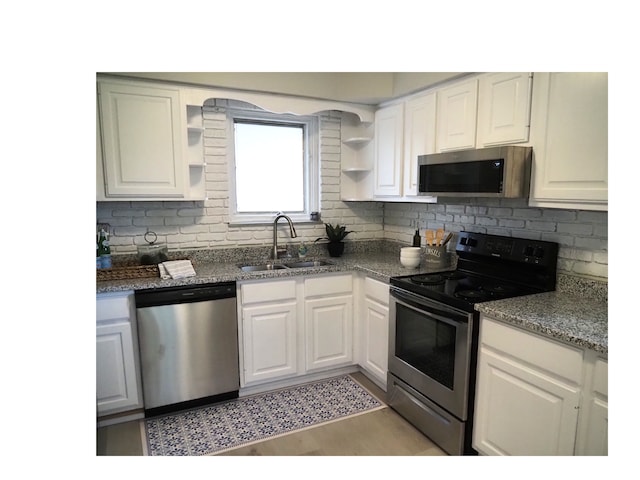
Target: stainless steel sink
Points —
{"points": [[261, 268], [315, 263], [282, 266]]}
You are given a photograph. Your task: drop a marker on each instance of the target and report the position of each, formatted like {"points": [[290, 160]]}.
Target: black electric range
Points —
{"points": [[490, 267]]}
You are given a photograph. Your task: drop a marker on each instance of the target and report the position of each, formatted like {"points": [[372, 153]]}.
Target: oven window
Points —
{"points": [[426, 344]]}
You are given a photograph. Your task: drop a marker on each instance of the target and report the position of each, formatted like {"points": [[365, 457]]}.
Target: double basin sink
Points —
{"points": [[283, 266]]}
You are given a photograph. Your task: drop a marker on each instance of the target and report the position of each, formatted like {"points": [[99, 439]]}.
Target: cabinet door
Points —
{"points": [[388, 151], [456, 116], [269, 341], [419, 137], [100, 186], [375, 345], [329, 331], [570, 140], [593, 432], [522, 411], [143, 131], [116, 382], [504, 106]]}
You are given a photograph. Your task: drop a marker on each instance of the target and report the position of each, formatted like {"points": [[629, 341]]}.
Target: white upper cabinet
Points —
{"points": [[504, 107], [145, 151], [403, 131], [388, 151], [569, 130], [419, 137], [142, 140], [457, 115]]}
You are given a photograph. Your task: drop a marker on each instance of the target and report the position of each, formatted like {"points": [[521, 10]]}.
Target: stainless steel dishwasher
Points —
{"points": [[188, 346]]}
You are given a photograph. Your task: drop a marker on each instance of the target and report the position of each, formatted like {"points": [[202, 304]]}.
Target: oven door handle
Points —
{"points": [[441, 311]]}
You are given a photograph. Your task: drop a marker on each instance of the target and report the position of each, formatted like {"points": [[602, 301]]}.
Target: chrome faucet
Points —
{"points": [[275, 252]]}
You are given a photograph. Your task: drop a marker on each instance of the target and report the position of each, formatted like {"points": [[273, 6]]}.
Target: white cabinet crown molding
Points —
{"points": [[276, 103]]}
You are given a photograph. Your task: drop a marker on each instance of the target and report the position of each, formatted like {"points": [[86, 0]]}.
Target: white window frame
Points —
{"points": [[311, 140]]}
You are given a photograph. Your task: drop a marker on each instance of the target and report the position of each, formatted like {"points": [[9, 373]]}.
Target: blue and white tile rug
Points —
{"points": [[238, 422]]}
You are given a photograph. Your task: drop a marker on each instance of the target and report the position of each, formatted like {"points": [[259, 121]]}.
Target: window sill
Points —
{"points": [[296, 221]]}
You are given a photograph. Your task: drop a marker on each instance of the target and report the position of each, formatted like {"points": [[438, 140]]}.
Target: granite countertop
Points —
{"points": [[379, 265], [576, 313], [566, 316]]}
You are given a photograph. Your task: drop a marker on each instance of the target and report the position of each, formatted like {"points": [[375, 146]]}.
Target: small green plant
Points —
{"points": [[334, 234]]}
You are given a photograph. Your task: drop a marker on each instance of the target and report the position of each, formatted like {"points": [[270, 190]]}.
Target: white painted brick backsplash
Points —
{"points": [[205, 224], [582, 235]]}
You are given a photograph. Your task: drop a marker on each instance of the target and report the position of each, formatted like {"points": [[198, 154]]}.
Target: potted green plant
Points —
{"points": [[335, 235]]}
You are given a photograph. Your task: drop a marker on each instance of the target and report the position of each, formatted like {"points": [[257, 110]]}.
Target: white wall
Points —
{"points": [[358, 87]]}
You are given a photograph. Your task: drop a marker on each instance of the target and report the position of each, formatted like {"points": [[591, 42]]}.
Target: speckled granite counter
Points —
{"points": [[379, 265], [568, 317]]}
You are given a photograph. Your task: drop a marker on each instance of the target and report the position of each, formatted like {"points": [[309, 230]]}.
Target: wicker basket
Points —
{"points": [[127, 272]]}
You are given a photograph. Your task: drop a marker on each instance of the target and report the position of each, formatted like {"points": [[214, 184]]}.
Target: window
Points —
{"points": [[274, 166]]}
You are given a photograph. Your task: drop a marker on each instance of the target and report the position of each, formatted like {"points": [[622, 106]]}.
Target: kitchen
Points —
{"points": [[371, 186]]}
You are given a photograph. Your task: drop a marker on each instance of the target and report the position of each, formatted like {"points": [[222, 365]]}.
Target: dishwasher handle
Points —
{"points": [[188, 294]]}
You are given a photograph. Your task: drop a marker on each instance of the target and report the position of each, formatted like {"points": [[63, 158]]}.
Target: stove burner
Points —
{"points": [[429, 279], [454, 275], [470, 294], [498, 289]]}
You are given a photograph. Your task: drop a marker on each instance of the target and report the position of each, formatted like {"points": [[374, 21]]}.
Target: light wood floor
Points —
{"points": [[381, 433]]}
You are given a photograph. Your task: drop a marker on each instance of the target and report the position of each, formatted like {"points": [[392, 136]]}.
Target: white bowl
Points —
{"points": [[411, 250], [410, 255], [410, 262]]}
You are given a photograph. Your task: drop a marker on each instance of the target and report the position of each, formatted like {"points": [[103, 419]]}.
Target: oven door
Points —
{"points": [[430, 349]]}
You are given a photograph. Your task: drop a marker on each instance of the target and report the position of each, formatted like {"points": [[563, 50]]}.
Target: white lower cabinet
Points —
{"points": [[291, 327], [269, 341], [593, 427], [329, 330], [269, 324], [375, 330], [529, 394], [118, 385]]}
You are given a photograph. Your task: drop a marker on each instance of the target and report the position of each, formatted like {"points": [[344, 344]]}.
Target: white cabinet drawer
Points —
{"points": [[329, 285], [268, 291], [376, 290], [562, 360], [113, 307]]}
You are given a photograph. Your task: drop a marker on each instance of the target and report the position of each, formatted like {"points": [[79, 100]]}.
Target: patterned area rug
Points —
{"points": [[246, 420]]}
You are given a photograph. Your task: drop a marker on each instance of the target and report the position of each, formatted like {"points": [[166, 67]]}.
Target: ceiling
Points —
{"points": [[371, 88]]}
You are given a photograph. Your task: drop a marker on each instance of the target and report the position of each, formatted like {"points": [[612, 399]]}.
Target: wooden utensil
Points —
{"points": [[446, 240], [439, 236], [430, 239]]}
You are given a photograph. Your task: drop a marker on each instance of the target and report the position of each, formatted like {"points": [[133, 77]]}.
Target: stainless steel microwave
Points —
{"points": [[503, 172]]}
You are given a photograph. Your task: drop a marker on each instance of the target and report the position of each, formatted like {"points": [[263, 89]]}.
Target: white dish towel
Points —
{"points": [[176, 269]]}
